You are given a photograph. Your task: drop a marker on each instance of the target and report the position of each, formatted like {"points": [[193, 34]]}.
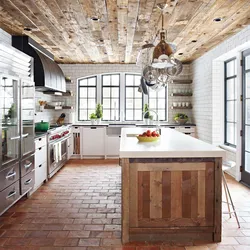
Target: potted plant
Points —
{"points": [[146, 114], [98, 112], [92, 118], [181, 118]]}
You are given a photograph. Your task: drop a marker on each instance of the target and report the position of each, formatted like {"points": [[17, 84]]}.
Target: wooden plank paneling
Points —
{"points": [[65, 28], [125, 200], [209, 193], [174, 166], [176, 194], [217, 199], [155, 194], [166, 194], [194, 194], [143, 195], [201, 193], [186, 194], [133, 194]]}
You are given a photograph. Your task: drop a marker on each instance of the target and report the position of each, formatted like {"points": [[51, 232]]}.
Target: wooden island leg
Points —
{"points": [[125, 200], [218, 199]]}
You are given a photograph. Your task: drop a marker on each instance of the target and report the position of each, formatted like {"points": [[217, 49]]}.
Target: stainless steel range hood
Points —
{"points": [[47, 74]]}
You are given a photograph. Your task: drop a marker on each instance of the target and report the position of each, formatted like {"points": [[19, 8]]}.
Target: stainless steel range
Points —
{"points": [[57, 150]]}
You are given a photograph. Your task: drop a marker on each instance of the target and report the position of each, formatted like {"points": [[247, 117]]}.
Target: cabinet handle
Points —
{"points": [[10, 175], [187, 127], [172, 127], [40, 139], [92, 127], [15, 137], [76, 127], [28, 182], [12, 193], [119, 136], [40, 148], [26, 166], [187, 133], [25, 135], [40, 165]]}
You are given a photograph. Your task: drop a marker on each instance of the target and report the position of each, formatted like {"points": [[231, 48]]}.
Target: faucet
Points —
{"points": [[157, 126]]}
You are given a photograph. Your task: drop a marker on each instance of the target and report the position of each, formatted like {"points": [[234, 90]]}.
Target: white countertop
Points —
{"points": [[172, 144]]}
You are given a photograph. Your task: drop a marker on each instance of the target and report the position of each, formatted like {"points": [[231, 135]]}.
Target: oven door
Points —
{"points": [[64, 148]]}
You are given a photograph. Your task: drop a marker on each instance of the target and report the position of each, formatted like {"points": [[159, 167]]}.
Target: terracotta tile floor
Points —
{"points": [[80, 208]]}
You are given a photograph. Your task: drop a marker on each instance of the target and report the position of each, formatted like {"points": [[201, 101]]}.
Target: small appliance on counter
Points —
{"points": [[60, 120]]}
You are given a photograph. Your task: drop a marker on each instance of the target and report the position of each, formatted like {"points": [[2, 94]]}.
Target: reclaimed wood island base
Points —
{"points": [[173, 199]]}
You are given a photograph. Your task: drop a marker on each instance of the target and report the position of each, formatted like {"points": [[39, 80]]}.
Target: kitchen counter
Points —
{"points": [[40, 134], [171, 189], [133, 124], [171, 144]]}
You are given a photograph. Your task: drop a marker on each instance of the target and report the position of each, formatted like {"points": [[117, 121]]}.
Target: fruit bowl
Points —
{"points": [[147, 139]]}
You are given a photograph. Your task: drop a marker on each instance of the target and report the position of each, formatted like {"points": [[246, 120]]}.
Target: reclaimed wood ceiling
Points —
{"points": [[65, 27]]}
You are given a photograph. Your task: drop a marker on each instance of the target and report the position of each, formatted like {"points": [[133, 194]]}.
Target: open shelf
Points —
{"points": [[182, 81], [180, 94], [189, 107], [58, 107]]}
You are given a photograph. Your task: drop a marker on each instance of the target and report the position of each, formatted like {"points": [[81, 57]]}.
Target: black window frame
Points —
{"points": [[226, 78], [166, 103], [78, 97], [119, 96], [125, 106]]}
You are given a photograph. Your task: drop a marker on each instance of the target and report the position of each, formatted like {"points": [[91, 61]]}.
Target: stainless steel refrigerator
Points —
{"points": [[17, 107]]}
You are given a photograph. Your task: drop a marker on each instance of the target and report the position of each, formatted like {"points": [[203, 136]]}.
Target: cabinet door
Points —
{"points": [[112, 145], [93, 141], [76, 141], [161, 196], [70, 147], [40, 174]]}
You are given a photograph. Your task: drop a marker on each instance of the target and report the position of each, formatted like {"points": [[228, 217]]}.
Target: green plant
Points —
{"points": [[98, 111], [180, 116], [151, 117], [92, 116], [146, 109], [11, 111]]}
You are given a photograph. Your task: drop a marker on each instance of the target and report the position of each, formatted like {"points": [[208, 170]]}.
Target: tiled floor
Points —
{"points": [[80, 208]]}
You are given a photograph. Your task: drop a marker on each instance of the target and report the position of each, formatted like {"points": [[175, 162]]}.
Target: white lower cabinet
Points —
{"points": [[40, 161], [93, 141], [112, 146]]}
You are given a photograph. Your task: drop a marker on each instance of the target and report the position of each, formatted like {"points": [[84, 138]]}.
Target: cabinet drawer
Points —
{"points": [[40, 142], [40, 174], [27, 165], [8, 176], [9, 195], [40, 155], [27, 182]]}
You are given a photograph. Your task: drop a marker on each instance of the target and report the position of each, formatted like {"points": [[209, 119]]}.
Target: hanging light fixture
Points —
{"points": [[158, 64], [163, 50]]}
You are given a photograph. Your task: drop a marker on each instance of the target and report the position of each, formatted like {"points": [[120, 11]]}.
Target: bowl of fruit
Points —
{"points": [[148, 136]]}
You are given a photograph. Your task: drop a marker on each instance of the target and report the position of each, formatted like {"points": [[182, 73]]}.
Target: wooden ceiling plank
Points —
{"points": [[73, 12], [112, 28], [32, 12], [101, 9], [133, 8], [228, 28], [72, 39]]}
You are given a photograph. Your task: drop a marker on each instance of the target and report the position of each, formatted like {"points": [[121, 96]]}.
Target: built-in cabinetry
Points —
{"points": [[40, 161], [103, 141]]}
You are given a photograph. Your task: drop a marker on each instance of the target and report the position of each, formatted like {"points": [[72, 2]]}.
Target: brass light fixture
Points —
{"points": [[158, 63], [163, 51]]}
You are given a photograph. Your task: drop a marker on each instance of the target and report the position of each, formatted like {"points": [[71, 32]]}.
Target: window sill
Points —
{"points": [[228, 148]]}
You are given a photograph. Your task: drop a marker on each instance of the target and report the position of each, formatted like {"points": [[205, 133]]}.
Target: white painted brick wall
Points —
{"points": [[76, 71], [208, 90], [5, 37]]}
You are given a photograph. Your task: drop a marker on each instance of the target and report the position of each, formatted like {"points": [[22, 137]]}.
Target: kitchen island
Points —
{"points": [[171, 189]]}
